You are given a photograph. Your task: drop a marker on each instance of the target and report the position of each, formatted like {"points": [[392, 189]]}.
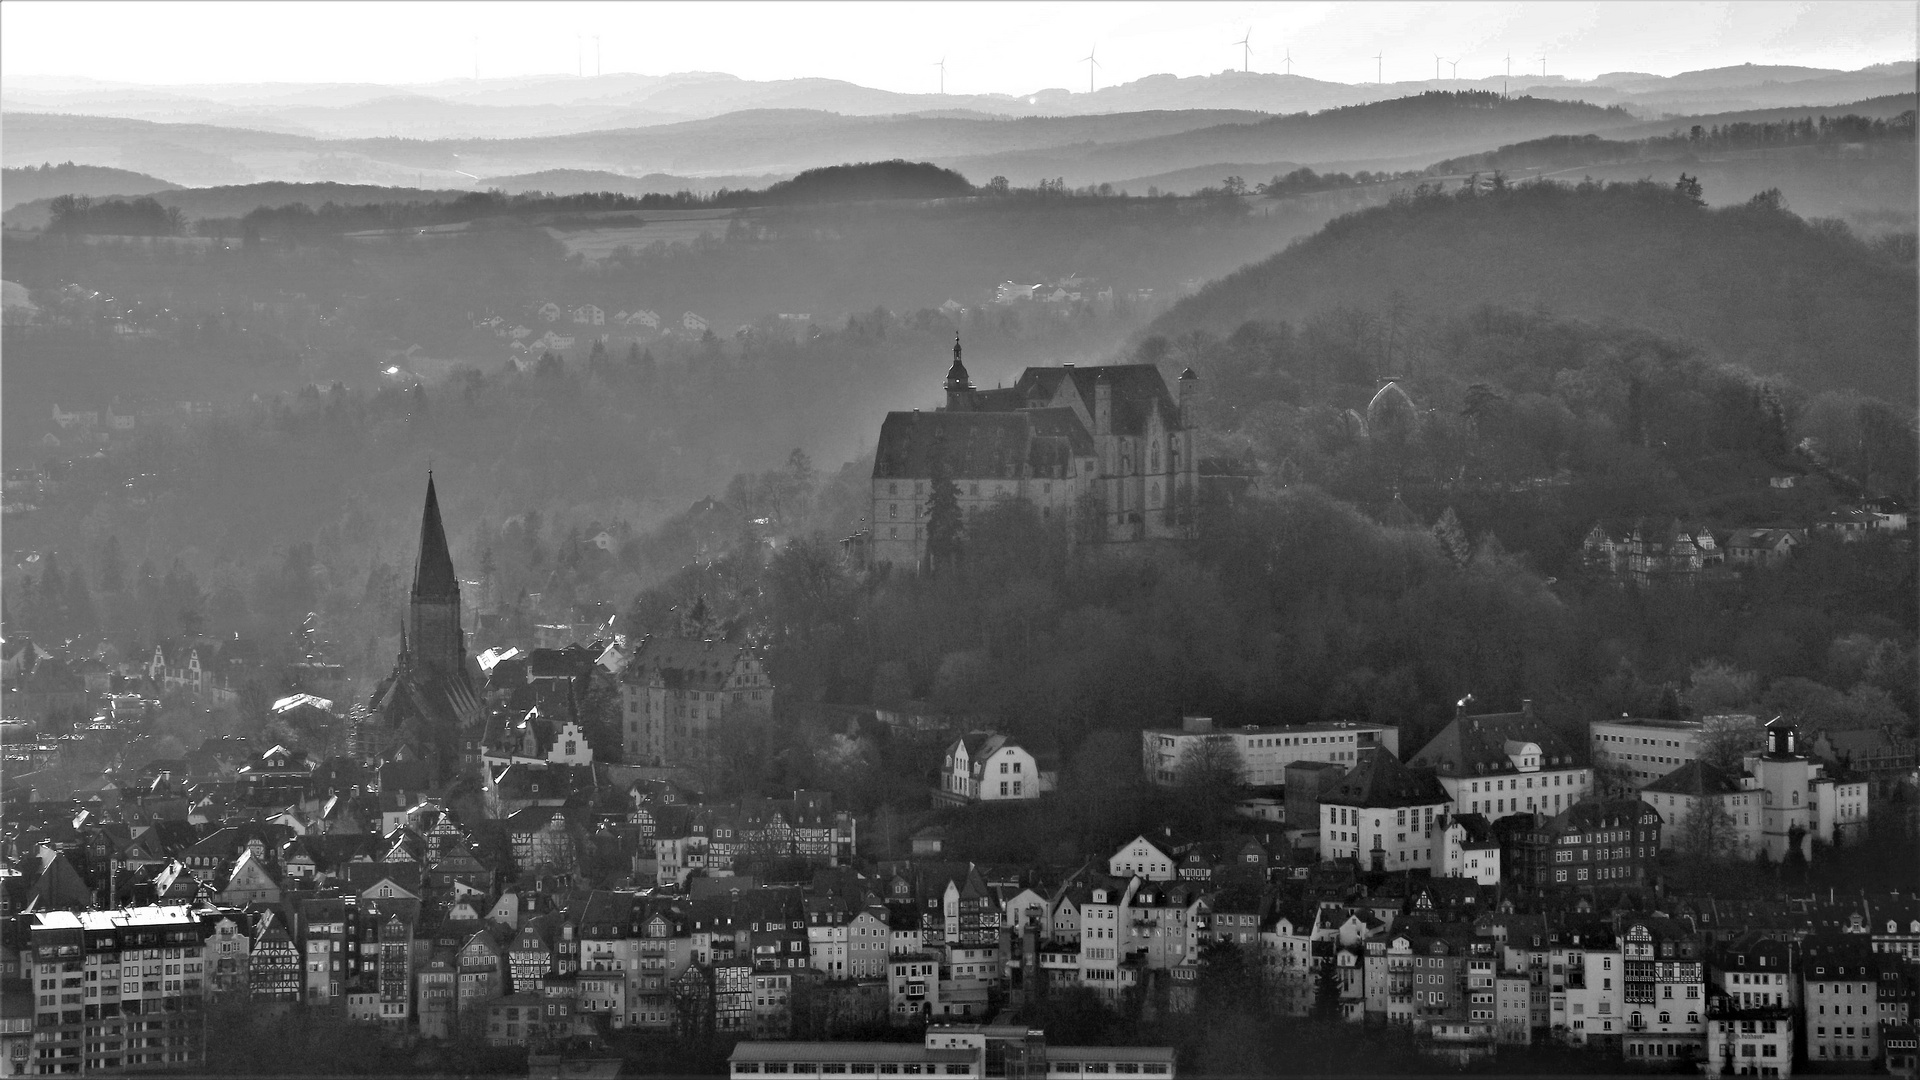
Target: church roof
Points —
{"points": [[433, 577], [980, 445]]}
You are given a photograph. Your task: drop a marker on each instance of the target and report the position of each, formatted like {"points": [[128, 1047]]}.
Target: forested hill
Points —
{"points": [[45, 181], [1753, 283]]}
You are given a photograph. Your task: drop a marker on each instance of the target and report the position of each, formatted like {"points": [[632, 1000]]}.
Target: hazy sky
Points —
{"points": [[1006, 47]]}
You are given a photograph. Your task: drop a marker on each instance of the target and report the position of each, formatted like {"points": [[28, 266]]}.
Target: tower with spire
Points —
{"points": [[959, 385], [429, 704], [434, 641]]}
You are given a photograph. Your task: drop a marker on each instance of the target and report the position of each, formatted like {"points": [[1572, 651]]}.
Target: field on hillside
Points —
{"points": [[662, 227]]}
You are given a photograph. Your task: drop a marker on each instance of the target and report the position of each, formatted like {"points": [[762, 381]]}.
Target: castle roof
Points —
{"points": [[979, 445], [1139, 390]]}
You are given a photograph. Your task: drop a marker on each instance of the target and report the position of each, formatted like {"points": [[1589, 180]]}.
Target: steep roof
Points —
{"points": [[979, 445], [1379, 780], [433, 577], [1476, 745], [1139, 390], [1696, 778]]}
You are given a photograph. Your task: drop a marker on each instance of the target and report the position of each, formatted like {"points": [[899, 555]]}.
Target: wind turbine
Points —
{"points": [[1436, 67], [1543, 67], [942, 65], [1455, 64], [1246, 51], [1289, 59], [1091, 64], [1379, 69], [1509, 65]]}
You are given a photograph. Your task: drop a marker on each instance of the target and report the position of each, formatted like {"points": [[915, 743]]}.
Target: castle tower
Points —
{"points": [[959, 386], [435, 644]]}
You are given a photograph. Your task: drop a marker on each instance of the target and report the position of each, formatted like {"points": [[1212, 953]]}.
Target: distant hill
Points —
{"points": [[554, 104], [1761, 287], [237, 200], [896, 179], [28, 183], [579, 181], [1405, 132]]}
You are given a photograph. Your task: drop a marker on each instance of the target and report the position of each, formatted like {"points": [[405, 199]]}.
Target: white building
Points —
{"points": [[1382, 814], [1469, 850], [1498, 764], [1266, 751], [983, 766], [1639, 751]]}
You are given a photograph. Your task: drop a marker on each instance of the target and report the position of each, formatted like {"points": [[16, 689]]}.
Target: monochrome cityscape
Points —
{"points": [[596, 574]]}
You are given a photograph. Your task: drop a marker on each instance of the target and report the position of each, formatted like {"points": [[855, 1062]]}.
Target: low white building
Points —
{"points": [[1469, 850], [1265, 750], [983, 766]]}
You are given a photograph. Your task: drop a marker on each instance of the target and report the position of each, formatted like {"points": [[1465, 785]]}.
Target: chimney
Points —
{"points": [[1102, 405], [1526, 708]]}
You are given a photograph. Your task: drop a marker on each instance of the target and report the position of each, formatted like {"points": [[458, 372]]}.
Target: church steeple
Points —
{"points": [[433, 577], [434, 640], [959, 386]]}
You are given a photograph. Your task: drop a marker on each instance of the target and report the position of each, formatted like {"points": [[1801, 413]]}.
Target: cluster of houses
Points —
{"points": [[1678, 553], [125, 926], [564, 325]]}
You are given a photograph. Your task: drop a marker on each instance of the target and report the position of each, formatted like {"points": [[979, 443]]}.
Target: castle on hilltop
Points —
{"points": [[1111, 448]]}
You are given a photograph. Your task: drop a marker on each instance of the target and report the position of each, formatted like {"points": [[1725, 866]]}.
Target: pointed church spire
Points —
{"points": [[433, 573]]}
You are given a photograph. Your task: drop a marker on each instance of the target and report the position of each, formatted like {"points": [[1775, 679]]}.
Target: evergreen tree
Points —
{"points": [[1326, 988], [944, 523], [113, 571]]}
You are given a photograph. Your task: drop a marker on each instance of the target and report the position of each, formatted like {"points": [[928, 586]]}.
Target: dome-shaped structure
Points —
{"points": [[1391, 411], [957, 378]]}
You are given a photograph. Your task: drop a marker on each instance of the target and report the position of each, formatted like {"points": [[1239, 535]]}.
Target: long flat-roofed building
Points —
{"points": [[122, 990], [1637, 750], [1266, 750]]}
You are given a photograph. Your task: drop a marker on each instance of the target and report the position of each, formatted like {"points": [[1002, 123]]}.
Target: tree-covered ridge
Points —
{"points": [[47, 180], [1570, 151], [1753, 284]]}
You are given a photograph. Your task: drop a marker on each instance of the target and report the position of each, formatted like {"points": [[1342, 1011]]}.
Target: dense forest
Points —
{"points": [[1568, 151], [1335, 587], [1752, 284], [29, 183]]}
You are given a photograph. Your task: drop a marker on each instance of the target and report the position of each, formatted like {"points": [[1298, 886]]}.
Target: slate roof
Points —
{"points": [[1476, 745], [684, 663], [1138, 391], [980, 445], [433, 577], [1379, 780], [1696, 778]]}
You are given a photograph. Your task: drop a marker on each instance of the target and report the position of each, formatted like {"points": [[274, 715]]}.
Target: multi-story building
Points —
{"points": [[1839, 1003], [1469, 850], [272, 961], [1382, 814], [1497, 764], [1265, 752], [117, 991], [1593, 842], [1752, 1006], [676, 693], [1707, 807], [1664, 992], [1107, 452], [1632, 752]]}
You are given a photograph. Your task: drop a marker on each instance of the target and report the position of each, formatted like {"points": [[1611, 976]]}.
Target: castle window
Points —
{"points": [[893, 510]]}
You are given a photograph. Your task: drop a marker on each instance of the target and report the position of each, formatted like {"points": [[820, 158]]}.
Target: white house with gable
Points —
{"points": [[983, 766]]}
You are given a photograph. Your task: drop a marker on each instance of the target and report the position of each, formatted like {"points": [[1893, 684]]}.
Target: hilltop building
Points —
{"points": [[1110, 450], [676, 691], [1498, 764], [429, 701]]}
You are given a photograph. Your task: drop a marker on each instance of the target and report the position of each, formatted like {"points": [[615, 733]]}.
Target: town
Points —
{"points": [[506, 845]]}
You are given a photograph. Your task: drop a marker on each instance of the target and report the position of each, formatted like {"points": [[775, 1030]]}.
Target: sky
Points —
{"points": [[987, 46]]}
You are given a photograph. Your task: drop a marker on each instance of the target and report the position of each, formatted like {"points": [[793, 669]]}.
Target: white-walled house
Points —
{"points": [[1499, 764], [1154, 858], [1383, 814], [982, 766], [1469, 850]]}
